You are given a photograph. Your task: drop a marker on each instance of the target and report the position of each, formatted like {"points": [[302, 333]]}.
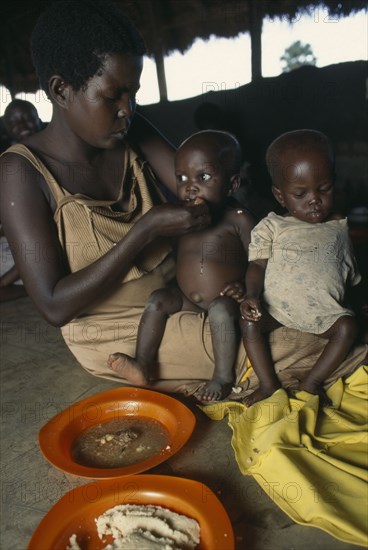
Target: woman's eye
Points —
{"points": [[205, 177]]}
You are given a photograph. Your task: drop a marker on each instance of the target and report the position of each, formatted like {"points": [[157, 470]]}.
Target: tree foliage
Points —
{"points": [[297, 55]]}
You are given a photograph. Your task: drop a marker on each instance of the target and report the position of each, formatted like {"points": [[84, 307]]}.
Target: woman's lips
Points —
{"points": [[120, 134]]}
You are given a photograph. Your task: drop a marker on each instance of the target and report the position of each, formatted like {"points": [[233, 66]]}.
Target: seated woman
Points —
{"points": [[82, 207]]}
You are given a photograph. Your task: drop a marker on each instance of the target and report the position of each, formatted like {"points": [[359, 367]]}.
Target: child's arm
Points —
{"points": [[250, 308], [9, 277], [243, 223]]}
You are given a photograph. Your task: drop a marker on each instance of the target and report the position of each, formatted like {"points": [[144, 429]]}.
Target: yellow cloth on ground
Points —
{"points": [[311, 462]]}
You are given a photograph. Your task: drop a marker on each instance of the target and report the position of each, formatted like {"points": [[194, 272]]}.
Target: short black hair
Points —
{"points": [[228, 146], [303, 139], [19, 104], [72, 38]]}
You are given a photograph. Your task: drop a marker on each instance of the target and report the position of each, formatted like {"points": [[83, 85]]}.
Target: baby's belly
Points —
{"points": [[201, 284]]}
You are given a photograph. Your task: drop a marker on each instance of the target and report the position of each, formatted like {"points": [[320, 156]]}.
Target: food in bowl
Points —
{"points": [[145, 527], [120, 442]]}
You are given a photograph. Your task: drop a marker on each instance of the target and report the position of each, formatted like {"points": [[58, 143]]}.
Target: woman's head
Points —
{"points": [[207, 165], [301, 167], [72, 39], [21, 119]]}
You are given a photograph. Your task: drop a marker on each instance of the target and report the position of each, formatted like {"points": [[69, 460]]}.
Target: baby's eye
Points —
{"points": [[205, 176], [326, 188], [299, 194], [180, 178]]}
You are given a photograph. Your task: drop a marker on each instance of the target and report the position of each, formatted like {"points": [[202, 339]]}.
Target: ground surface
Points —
{"points": [[39, 377]]}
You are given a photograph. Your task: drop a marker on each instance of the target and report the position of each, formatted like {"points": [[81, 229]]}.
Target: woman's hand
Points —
{"points": [[235, 290], [169, 220], [250, 309]]}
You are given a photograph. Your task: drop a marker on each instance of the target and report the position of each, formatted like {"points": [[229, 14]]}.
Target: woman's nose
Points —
{"points": [[126, 108]]}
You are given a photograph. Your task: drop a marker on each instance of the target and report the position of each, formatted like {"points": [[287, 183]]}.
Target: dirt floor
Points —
{"points": [[39, 378]]}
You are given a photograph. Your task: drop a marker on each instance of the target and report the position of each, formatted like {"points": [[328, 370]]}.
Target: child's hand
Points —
{"points": [[234, 290], [250, 309]]}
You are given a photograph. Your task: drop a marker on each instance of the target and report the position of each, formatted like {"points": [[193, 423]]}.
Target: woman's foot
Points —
{"points": [[213, 391], [259, 394], [127, 367]]}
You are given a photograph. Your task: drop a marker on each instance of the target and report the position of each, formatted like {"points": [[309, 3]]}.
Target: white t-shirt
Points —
{"points": [[309, 267]]}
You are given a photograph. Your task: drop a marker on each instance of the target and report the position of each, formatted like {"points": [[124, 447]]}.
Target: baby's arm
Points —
{"points": [[250, 308], [243, 223]]}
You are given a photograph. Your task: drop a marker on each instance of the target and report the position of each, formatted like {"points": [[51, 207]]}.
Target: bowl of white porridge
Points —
{"points": [[136, 512]]}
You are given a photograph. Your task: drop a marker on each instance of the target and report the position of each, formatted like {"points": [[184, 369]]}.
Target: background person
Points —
{"points": [[21, 120]]}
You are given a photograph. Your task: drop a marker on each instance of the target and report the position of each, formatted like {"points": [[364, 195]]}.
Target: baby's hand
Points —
{"points": [[250, 309], [234, 290]]}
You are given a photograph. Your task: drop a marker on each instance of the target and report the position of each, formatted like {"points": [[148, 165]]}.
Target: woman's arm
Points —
{"points": [[32, 235], [155, 149]]}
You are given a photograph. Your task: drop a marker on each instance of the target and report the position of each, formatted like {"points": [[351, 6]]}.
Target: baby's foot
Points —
{"points": [[126, 367], [315, 389], [259, 394], [213, 391]]}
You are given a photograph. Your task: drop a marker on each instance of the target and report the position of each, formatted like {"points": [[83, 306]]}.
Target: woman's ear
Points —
{"points": [[59, 91], [278, 195], [234, 184]]}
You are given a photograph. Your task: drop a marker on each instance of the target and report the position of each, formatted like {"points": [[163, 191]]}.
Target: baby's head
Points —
{"points": [[72, 39], [301, 167], [207, 166]]}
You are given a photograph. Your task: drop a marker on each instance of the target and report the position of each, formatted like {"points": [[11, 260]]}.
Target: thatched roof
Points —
{"points": [[166, 25], [177, 23]]}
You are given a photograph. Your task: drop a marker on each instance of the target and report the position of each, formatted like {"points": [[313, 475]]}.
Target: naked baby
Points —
{"points": [[211, 264]]}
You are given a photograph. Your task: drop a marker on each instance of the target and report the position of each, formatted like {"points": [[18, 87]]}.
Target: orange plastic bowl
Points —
{"points": [[76, 511], [57, 437]]}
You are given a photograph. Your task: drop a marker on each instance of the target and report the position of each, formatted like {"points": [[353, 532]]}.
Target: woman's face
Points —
{"points": [[305, 185], [101, 113]]}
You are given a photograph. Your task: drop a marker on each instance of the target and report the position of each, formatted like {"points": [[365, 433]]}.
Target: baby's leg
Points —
{"points": [[223, 315], [341, 336], [259, 355], [160, 305]]}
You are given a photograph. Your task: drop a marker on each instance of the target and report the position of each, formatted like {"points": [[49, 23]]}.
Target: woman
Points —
{"points": [[80, 206]]}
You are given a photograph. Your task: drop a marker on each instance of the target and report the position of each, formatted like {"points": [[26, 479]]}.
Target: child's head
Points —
{"points": [[301, 167], [21, 120], [207, 166], [72, 39]]}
